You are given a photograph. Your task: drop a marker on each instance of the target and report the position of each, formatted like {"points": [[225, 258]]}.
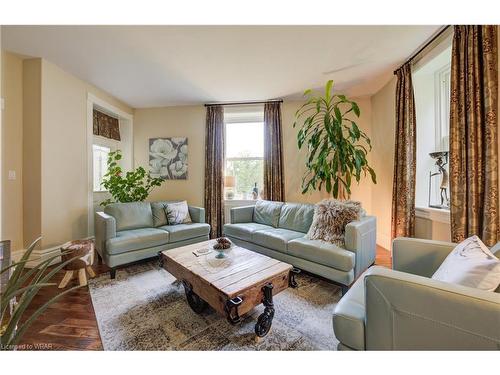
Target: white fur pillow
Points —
{"points": [[330, 218], [470, 264]]}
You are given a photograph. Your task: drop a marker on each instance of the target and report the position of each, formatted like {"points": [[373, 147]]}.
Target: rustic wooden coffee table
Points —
{"points": [[232, 286]]}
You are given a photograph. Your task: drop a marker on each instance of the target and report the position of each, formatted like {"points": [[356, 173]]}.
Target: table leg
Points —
{"points": [[291, 281], [194, 301], [66, 279], [265, 319]]}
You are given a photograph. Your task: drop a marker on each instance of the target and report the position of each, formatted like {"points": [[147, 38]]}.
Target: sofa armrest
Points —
{"points": [[104, 229], [242, 214], [197, 214], [361, 238], [419, 256], [410, 312]]}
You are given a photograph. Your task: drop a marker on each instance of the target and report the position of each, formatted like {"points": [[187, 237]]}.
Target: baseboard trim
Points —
{"points": [[40, 255]]}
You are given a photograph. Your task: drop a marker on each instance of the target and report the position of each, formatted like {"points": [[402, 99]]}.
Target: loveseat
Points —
{"points": [[278, 230], [405, 309], [128, 232]]}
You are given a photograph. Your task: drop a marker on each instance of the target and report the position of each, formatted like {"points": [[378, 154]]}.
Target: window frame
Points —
{"points": [[442, 97], [111, 145], [242, 115]]}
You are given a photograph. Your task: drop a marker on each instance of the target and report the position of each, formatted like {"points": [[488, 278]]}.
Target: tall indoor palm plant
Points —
{"points": [[336, 146]]}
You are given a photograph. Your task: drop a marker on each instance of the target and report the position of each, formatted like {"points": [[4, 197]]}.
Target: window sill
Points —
{"points": [[434, 214], [239, 202]]}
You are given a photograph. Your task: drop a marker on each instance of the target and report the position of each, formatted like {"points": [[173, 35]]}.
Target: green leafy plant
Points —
{"points": [[134, 186], [336, 146], [19, 292]]}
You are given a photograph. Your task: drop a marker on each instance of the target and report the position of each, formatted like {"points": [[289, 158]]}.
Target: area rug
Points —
{"points": [[145, 308]]}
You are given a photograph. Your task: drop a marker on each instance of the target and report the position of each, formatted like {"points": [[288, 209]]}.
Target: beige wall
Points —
{"points": [[190, 121], [32, 151], [64, 132], [45, 141], [182, 121], [383, 128], [12, 158]]}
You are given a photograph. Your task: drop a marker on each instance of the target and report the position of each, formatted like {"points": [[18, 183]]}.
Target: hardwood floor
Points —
{"points": [[70, 323]]}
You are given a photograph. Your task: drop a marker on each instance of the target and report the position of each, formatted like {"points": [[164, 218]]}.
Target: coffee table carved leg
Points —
{"points": [[195, 302], [265, 319], [291, 281]]}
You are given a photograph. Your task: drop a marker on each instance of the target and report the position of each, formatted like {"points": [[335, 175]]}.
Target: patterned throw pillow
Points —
{"points": [[178, 213], [470, 264]]}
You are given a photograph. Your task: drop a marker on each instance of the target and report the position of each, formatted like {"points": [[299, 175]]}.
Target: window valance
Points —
{"points": [[106, 125]]}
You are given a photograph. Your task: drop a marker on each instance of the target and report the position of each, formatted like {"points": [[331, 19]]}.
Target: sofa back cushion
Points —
{"points": [[296, 216], [267, 212], [131, 215], [159, 213]]}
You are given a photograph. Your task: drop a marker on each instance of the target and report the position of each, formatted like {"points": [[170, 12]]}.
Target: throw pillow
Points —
{"points": [[470, 264], [159, 213], [330, 218], [178, 213]]}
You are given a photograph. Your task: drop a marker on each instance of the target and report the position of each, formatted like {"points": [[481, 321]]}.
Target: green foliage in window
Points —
{"points": [[247, 173], [133, 186], [336, 146]]}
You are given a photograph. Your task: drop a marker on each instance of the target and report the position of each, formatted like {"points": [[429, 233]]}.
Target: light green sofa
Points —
{"points": [[278, 230], [404, 309], [128, 232]]}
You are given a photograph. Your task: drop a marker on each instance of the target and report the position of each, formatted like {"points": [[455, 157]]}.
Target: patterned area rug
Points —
{"points": [[145, 308]]}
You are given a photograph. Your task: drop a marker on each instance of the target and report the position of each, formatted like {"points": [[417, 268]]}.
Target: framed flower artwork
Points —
{"points": [[168, 158]]}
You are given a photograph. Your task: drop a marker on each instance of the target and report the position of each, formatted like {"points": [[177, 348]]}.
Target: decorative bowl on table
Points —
{"points": [[221, 246]]}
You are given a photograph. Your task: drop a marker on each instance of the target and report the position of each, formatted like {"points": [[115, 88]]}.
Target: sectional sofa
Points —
{"points": [[128, 232], [279, 229]]}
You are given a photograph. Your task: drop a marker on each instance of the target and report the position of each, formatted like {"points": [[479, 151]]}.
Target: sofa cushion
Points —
{"points": [[267, 212], [159, 213], [349, 316], [296, 216], [322, 252], [181, 232], [243, 231], [275, 238], [135, 239], [131, 215]]}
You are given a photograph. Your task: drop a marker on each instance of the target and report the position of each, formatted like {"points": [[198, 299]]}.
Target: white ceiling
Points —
{"points": [[150, 66]]}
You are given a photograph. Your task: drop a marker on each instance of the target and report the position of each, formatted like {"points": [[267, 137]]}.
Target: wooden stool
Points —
{"points": [[82, 253]]}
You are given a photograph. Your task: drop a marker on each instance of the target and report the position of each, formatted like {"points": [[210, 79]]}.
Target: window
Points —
{"points": [[431, 84], [100, 167], [244, 158]]}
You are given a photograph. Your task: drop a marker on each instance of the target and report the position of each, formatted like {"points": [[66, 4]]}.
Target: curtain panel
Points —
{"points": [[214, 170], [105, 125], [473, 134], [273, 153], [403, 188]]}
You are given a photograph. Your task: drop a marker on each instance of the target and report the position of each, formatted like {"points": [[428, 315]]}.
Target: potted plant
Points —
{"points": [[22, 286], [133, 186], [336, 146]]}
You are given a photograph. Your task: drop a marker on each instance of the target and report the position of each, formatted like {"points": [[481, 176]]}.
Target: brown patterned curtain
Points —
{"points": [[106, 126], [473, 134], [273, 155], [403, 188], [214, 170]]}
